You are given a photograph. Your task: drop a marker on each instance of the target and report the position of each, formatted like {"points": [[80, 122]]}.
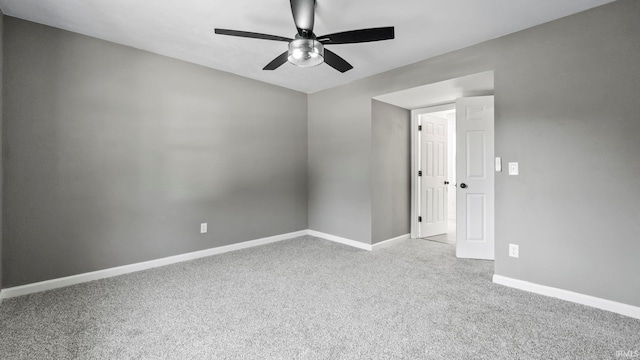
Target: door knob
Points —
{"points": [[463, 185], [446, 183]]}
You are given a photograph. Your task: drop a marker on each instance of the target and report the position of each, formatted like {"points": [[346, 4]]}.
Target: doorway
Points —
{"points": [[437, 174], [474, 176], [474, 160]]}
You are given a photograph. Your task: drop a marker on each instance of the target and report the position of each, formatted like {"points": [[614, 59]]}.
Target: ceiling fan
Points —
{"points": [[307, 49]]}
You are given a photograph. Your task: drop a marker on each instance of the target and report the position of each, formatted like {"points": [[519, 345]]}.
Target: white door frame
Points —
{"points": [[415, 162]]}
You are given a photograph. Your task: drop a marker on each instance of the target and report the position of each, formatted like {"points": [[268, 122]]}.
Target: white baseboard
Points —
{"points": [[126, 269], [616, 307], [341, 240], [389, 242], [120, 270], [603, 304]]}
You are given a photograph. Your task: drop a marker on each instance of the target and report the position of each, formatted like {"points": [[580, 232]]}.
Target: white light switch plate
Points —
{"points": [[203, 228], [498, 164], [513, 168]]}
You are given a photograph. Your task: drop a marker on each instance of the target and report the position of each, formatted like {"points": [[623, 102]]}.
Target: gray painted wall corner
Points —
{"points": [[390, 171], [339, 165]]}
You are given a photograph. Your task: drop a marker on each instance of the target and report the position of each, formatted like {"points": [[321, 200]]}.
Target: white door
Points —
{"points": [[433, 166], [475, 178]]}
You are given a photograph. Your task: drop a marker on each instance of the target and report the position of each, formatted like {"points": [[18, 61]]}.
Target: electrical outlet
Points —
{"points": [[514, 250], [203, 228]]}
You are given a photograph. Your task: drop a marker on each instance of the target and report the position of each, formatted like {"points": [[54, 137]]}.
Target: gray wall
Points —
{"points": [[390, 171], [1, 137], [114, 156], [339, 166], [566, 109]]}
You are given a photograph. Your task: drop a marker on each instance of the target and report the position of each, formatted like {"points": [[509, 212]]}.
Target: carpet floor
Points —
{"points": [[308, 298]]}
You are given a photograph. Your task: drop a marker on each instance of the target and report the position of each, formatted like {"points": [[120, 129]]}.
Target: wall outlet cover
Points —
{"points": [[203, 228], [514, 250]]}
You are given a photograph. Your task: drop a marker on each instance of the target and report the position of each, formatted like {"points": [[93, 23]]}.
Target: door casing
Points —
{"points": [[415, 162]]}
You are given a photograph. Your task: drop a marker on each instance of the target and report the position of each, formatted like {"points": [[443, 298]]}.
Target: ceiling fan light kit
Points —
{"points": [[307, 49], [306, 52]]}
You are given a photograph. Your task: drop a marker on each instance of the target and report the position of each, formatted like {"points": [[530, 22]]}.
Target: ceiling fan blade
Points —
{"points": [[277, 62], [336, 62], [359, 36], [303, 16], [251, 35]]}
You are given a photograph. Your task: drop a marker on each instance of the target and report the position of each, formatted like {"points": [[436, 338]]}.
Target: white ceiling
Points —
{"points": [[184, 30]]}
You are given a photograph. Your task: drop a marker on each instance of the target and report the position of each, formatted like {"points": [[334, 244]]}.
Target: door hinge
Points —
{"points": [[419, 218], [420, 173], [419, 127]]}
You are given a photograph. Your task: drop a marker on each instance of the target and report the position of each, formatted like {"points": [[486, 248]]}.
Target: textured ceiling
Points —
{"points": [[184, 30]]}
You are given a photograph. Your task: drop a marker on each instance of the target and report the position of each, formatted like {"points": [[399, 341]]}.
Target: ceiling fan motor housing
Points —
{"points": [[306, 52]]}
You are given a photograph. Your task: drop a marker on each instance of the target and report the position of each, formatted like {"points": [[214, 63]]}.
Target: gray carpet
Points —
{"points": [[307, 298]]}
